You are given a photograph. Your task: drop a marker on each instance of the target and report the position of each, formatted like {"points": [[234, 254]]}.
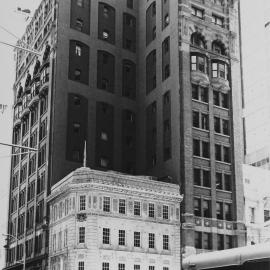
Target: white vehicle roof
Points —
{"points": [[234, 256]]}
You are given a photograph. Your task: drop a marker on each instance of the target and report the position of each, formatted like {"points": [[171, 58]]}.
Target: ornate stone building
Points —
{"points": [[108, 220]]}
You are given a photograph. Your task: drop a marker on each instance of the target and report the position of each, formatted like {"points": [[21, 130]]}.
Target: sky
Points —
{"points": [[15, 23]]}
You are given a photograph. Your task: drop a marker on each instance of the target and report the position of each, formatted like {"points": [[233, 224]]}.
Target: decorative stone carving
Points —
{"points": [[81, 217]]}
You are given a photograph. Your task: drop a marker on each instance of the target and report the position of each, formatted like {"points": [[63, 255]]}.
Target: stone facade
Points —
{"points": [[78, 200]]}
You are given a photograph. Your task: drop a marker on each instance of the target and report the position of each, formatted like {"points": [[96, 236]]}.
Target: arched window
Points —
{"points": [[197, 39], [219, 47]]}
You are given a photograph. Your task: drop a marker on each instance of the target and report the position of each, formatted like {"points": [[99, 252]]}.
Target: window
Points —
{"points": [[105, 34], [154, 9], [79, 3], [219, 180], [81, 266], [137, 239], [225, 127], [137, 267], [106, 204], [198, 40], [165, 242], [130, 4], [199, 93], [104, 162], [219, 70], [197, 12], [251, 214], [198, 240], [79, 24], [220, 241], [205, 149], [151, 210], [78, 50], [81, 235], [201, 177], [151, 267], [206, 208], [122, 238], [228, 241], [122, 206], [137, 208], [219, 210], [207, 241], [82, 203], [105, 266], [121, 266], [227, 182], [199, 63], [217, 20], [77, 74], [165, 212], [106, 236], [42, 155], [151, 240], [196, 119], [226, 154], [266, 215], [228, 211], [204, 121], [218, 152]]}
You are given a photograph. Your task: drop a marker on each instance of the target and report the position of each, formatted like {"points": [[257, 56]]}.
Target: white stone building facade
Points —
{"points": [[257, 204], [107, 220]]}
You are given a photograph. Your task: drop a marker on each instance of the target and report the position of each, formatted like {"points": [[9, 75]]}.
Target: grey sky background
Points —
{"points": [[16, 24]]}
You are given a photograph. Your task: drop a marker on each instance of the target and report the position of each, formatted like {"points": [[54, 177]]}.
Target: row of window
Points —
{"points": [[202, 208], [202, 177], [219, 69], [202, 94], [203, 240], [202, 149], [122, 207], [121, 266], [137, 238], [200, 13]]}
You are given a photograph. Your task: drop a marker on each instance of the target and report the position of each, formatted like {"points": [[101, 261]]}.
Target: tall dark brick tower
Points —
{"points": [[153, 87]]}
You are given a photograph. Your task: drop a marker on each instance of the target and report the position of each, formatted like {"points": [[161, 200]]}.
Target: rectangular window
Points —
{"points": [[165, 242], [165, 212], [122, 206], [81, 266], [106, 236], [217, 124], [198, 240], [206, 180], [219, 180], [204, 121], [218, 152], [82, 203], [105, 266], [196, 119], [121, 266], [226, 154], [195, 91], [151, 210], [137, 208], [225, 127], [197, 176], [106, 204], [207, 241], [217, 20], [122, 238], [205, 149], [130, 4], [219, 210], [197, 207], [197, 12], [227, 182], [137, 267], [151, 267], [228, 241], [206, 208], [251, 214], [81, 235], [216, 98], [151, 240], [266, 215], [228, 211], [196, 147], [220, 241], [137, 239], [225, 100]]}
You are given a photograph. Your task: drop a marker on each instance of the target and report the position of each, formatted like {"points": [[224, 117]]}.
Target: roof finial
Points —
{"points": [[84, 155]]}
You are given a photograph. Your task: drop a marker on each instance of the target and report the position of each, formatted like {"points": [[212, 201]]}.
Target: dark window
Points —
{"points": [[228, 241], [227, 182], [228, 211], [225, 127], [218, 20], [130, 4], [206, 208], [151, 240], [137, 239], [219, 180], [106, 204], [219, 210], [165, 242], [217, 124], [226, 154], [197, 176], [151, 71], [196, 147], [204, 121], [197, 39], [81, 235], [206, 181], [207, 241], [220, 241], [218, 152], [122, 206], [216, 98], [198, 240], [77, 75], [205, 149], [197, 207], [219, 70], [137, 208], [79, 24], [197, 12], [196, 119]]}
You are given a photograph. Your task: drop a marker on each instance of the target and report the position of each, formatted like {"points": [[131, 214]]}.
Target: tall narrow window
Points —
{"points": [[106, 204], [122, 238], [81, 235], [165, 212], [137, 239], [165, 242], [82, 203], [122, 206], [151, 240], [137, 208], [106, 236]]}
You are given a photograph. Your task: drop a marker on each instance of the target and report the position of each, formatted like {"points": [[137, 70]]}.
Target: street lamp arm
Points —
{"points": [[21, 48]]}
